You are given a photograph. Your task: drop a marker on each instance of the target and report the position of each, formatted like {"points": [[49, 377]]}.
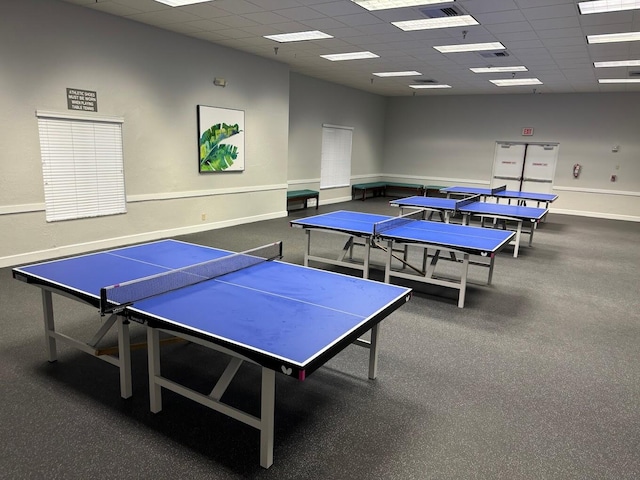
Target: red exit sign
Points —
{"points": [[527, 131]]}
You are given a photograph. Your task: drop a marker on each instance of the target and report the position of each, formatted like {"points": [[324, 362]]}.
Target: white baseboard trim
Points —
{"points": [[335, 200], [80, 248], [598, 191], [610, 216]]}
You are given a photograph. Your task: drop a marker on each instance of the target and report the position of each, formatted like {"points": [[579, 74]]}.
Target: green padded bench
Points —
{"points": [[377, 189], [405, 189], [385, 188], [296, 196], [434, 191]]}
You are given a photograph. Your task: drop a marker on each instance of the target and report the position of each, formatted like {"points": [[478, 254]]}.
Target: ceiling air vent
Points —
{"points": [[426, 81], [635, 74], [448, 11]]}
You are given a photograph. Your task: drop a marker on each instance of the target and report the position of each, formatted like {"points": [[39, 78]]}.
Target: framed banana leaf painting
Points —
{"points": [[220, 139]]}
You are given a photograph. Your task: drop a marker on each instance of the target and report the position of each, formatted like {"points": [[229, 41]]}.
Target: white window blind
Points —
{"points": [[335, 165], [82, 166]]}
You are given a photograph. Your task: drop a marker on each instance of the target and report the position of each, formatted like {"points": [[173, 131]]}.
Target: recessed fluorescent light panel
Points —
{"points": [[398, 74], [470, 47], [602, 6], [338, 57], [614, 37], [298, 36], [180, 3], [619, 80], [430, 23], [386, 4], [519, 68], [622, 63], [516, 82], [435, 85]]}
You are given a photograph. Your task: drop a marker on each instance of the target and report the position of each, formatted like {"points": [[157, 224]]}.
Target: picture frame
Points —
{"points": [[220, 140]]}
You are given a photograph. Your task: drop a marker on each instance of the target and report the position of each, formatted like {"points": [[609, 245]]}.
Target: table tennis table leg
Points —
{"points": [[307, 251], [49, 325], [463, 280], [518, 235], [373, 352], [267, 416], [534, 225], [124, 357], [367, 255], [153, 353], [491, 262]]}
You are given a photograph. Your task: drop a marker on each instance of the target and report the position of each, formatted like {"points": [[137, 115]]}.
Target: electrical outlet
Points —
{"points": [[204, 217]]}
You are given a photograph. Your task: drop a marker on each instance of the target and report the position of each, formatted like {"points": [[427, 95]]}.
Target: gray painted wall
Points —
{"points": [[451, 140], [314, 103], [154, 79]]}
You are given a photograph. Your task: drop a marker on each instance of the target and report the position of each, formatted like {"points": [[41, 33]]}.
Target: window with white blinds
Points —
{"points": [[335, 165], [82, 166]]}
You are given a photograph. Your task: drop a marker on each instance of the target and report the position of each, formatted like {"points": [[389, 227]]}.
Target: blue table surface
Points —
{"points": [[542, 197], [437, 203], [434, 233], [287, 311], [463, 237], [487, 208], [355, 223], [515, 211]]}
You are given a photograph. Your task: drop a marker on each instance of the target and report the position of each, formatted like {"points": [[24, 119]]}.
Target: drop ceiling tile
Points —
{"points": [[205, 10], [300, 13], [561, 33], [550, 12], [275, 4], [238, 7], [163, 17], [335, 9], [508, 16], [359, 19], [506, 38], [488, 6], [565, 42], [235, 21], [141, 5], [206, 25], [509, 27], [323, 23], [551, 23], [290, 27], [265, 18], [236, 33]]}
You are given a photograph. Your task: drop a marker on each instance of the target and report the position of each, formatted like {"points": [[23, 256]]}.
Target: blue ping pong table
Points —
{"points": [[386, 233], [284, 318], [471, 206], [501, 192]]}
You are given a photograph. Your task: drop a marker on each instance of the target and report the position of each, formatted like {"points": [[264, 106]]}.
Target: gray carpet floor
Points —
{"points": [[538, 377]]}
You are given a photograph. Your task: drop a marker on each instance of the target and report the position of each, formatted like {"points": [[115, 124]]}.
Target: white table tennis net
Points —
{"points": [[123, 294]]}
